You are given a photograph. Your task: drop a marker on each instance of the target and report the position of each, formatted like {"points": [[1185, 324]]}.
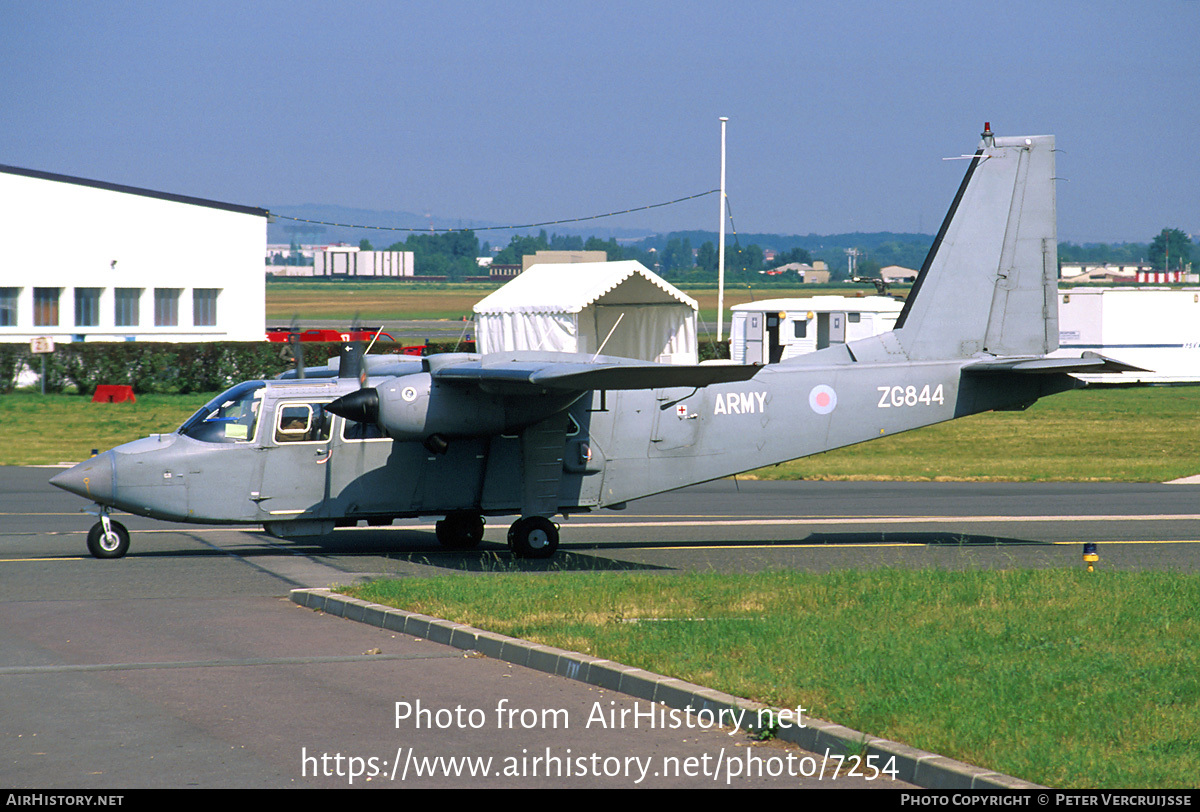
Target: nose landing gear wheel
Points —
{"points": [[108, 543], [533, 537]]}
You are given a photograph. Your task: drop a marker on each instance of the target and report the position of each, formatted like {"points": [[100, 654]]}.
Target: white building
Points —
{"points": [[138, 265], [348, 260], [898, 273]]}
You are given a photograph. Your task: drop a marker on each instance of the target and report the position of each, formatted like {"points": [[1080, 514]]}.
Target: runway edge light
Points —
{"points": [[1090, 556]]}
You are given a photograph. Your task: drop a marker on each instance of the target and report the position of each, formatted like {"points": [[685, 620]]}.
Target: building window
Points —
{"points": [[45, 307], [125, 313], [87, 307], [204, 307], [166, 307], [8, 306]]}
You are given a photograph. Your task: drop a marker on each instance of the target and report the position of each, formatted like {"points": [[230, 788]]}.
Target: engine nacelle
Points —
{"points": [[416, 407]]}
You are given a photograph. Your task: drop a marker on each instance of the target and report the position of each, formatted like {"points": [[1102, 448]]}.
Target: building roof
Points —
{"points": [[824, 304], [570, 287], [133, 190]]}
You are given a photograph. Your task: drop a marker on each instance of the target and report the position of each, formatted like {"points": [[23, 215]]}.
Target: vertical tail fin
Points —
{"points": [[990, 282]]}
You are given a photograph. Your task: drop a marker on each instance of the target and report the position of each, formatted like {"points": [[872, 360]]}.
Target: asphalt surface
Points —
{"points": [[184, 664]]}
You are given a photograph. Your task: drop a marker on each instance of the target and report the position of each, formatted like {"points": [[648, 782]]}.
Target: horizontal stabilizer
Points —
{"points": [[1089, 363], [582, 376]]}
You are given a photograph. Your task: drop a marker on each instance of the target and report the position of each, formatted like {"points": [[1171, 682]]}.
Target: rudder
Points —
{"points": [[989, 284]]}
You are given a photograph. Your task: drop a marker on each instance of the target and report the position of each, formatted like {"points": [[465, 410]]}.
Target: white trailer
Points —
{"points": [[1157, 329], [774, 330]]}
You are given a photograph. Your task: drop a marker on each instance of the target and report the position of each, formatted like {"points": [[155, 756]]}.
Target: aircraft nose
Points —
{"points": [[92, 479]]}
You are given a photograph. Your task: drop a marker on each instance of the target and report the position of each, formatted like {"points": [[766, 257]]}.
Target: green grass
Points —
{"points": [[44, 430], [1108, 434], [370, 301], [1060, 677], [309, 299]]}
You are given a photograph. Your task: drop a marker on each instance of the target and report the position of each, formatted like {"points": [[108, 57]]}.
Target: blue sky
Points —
{"points": [[521, 111]]}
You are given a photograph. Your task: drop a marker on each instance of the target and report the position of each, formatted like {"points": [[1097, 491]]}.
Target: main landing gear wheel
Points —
{"points": [[460, 531], [533, 537], [112, 542]]}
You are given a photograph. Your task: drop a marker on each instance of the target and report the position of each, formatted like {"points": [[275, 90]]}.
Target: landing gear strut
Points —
{"points": [[461, 530], [108, 539], [533, 537]]}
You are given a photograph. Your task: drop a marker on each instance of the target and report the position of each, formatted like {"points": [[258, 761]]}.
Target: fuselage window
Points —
{"points": [[302, 423], [352, 430]]}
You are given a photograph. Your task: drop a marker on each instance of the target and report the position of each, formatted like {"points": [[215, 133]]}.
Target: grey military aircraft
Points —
{"points": [[533, 434]]}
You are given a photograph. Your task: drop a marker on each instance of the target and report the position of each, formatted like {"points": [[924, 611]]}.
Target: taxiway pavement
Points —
{"points": [[184, 664]]}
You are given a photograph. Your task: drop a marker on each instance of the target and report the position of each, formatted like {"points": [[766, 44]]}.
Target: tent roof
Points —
{"points": [[570, 287]]}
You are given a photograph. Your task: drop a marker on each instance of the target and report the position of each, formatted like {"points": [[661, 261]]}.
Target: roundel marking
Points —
{"points": [[409, 394], [822, 399]]}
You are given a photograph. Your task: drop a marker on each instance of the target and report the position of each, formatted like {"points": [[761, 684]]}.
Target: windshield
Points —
{"points": [[230, 417]]}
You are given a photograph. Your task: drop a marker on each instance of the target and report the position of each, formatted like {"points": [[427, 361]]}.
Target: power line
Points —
{"points": [[498, 228]]}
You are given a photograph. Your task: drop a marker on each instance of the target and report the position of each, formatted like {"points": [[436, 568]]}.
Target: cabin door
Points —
{"points": [[296, 448]]}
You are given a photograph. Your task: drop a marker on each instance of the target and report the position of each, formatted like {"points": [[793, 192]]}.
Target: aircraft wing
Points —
{"points": [[582, 376], [1089, 362]]}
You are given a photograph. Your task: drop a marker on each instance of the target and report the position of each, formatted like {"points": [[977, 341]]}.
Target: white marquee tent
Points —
{"points": [[571, 307]]}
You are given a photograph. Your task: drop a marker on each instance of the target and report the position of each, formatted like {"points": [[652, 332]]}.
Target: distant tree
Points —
{"points": [[1170, 248], [706, 257], [905, 254], [677, 255], [794, 255], [566, 243], [1116, 253], [747, 260], [365, 245], [615, 254], [296, 255], [451, 254], [868, 267], [520, 245]]}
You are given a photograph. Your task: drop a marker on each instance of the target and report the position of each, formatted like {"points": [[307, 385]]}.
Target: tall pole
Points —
{"points": [[721, 242]]}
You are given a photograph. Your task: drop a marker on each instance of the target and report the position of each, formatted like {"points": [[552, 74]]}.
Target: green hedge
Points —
{"points": [[147, 366]]}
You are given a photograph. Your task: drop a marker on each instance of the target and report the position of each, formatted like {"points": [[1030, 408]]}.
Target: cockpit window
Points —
{"points": [[230, 417]]}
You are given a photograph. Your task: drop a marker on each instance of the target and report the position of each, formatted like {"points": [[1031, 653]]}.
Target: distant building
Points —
{"points": [[348, 260], [816, 273], [1103, 271], [898, 273], [133, 268], [562, 257], [502, 273]]}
